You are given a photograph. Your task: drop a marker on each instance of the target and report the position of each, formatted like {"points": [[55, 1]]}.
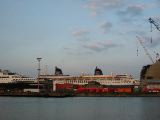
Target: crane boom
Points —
{"points": [[154, 23], [145, 49]]}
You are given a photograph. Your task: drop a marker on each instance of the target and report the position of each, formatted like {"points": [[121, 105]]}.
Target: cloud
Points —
{"points": [[155, 42], [67, 48], [98, 6], [132, 11], [138, 32], [81, 34], [150, 42], [106, 26], [100, 46], [76, 51]]}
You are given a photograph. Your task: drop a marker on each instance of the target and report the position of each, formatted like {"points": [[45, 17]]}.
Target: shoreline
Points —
{"points": [[62, 95]]}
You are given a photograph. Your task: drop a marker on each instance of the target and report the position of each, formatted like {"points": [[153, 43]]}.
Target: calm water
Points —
{"points": [[80, 108]]}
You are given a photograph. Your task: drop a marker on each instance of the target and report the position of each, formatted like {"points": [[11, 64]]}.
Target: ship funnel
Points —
{"points": [[58, 71], [98, 71]]}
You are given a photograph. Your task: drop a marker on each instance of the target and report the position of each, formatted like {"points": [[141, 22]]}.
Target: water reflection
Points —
{"points": [[150, 108], [80, 108]]}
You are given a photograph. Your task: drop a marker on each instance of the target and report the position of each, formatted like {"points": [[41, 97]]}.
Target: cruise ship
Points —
{"points": [[107, 80], [8, 77]]}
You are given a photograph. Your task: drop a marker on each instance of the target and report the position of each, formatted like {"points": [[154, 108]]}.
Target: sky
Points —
{"points": [[77, 35]]}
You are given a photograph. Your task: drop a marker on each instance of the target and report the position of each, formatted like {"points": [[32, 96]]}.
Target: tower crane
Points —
{"points": [[154, 23], [145, 49]]}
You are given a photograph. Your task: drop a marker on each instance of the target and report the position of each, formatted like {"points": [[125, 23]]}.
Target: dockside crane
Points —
{"points": [[155, 23], [145, 49]]}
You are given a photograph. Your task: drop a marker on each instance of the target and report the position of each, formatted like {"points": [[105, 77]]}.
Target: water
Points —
{"points": [[80, 108]]}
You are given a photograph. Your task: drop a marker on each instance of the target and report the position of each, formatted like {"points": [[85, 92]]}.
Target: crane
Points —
{"points": [[157, 25], [145, 49], [154, 23]]}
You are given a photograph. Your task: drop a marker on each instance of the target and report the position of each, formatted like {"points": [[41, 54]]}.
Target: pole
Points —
{"points": [[39, 70]]}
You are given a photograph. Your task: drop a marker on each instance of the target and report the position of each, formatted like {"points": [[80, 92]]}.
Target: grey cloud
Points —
{"points": [[76, 51], [66, 48], [155, 42], [81, 34], [135, 10], [100, 46], [132, 11], [106, 26], [158, 3], [150, 42], [94, 47], [98, 6], [138, 32]]}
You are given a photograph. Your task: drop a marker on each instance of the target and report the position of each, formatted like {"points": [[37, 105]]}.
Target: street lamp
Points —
{"points": [[39, 70]]}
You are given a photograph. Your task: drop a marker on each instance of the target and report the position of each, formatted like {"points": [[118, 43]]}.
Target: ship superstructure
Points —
{"points": [[102, 79], [107, 80], [8, 77]]}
